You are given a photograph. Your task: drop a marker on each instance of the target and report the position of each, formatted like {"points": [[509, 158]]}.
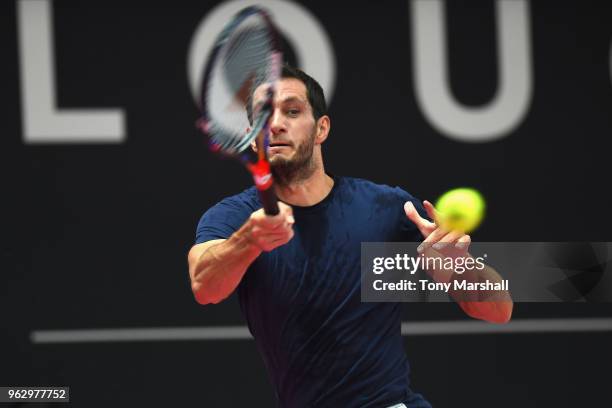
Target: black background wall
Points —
{"points": [[95, 235]]}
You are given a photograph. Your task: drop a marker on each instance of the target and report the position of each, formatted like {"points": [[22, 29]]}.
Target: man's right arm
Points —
{"points": [[216, 267]]}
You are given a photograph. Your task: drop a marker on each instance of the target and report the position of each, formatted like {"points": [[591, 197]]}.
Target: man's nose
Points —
{"points": [[276, 123]]}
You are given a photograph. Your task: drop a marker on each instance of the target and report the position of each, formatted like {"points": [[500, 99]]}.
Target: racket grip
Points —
{"points": [[269, 201], [262, 177]]}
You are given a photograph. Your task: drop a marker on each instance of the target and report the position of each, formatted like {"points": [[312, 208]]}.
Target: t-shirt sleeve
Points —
{"points": [[409, 230], [222, 220]]}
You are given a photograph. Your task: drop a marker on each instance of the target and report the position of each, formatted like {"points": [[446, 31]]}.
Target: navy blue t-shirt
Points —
{"points": [[322, 346]]}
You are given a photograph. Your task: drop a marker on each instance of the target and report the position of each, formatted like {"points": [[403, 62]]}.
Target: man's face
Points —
{"points": [[292, 125]]}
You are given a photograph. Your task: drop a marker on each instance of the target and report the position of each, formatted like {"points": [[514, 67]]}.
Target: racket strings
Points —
{"points": [[249, 51], [256, 37], [244, 63]]}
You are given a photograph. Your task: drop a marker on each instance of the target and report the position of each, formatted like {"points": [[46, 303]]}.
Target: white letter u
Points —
{"points": [[430, 74]]}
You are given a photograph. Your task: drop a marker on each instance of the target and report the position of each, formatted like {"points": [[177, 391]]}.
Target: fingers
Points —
{"points": [[448, 240], [426, 227], [287, 211], [269, 232], [464, 242], [268, 242], [434, 237], [431, 211], [283, 218], [267, 239], [441, 240]]}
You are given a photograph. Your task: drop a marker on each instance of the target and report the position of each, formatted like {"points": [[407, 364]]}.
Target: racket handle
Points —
{"points": [[262, 177], [269, 201]]}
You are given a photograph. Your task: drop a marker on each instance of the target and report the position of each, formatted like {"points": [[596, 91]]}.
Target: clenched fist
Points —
{"points": [[269, 232]]}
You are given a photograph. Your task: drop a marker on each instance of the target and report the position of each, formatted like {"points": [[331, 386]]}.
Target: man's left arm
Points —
{"points": [[438, 242]]}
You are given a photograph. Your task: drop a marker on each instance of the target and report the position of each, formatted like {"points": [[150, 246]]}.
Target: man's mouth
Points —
{"points": [[278, 147], [280, 144]]}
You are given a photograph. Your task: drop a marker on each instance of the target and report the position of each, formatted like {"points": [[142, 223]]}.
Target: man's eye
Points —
{"points": [[293, 112]]}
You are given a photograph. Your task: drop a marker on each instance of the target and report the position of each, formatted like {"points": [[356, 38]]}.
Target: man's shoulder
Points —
{"points": [[226, 216], [377, 189], [245, 200], [248, 196]]}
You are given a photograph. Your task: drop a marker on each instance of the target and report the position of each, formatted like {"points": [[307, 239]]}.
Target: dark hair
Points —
{"points": [[314, 92]]}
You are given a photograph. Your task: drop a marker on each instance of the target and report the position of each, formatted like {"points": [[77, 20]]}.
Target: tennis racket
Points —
{"points": [[246, 58]]}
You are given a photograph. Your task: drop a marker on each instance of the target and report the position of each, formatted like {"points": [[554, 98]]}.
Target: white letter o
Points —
{"points": [[308, 37]]}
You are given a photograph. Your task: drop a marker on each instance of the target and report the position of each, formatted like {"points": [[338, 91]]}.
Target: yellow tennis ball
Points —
{"points": [[461, 209]]}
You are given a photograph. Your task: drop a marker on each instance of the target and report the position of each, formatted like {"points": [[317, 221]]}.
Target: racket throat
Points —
{"points": [[262, 174]]}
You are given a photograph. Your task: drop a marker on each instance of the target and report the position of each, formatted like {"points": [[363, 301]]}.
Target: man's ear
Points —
{"points": [[323, 127], [253, 144]]}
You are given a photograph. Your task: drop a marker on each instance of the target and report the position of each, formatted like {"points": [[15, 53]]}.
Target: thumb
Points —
{"points": [[424, 226], [287, 212]]}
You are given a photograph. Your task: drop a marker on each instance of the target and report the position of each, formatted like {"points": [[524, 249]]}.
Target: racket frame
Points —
{"points": [[259, 130]]}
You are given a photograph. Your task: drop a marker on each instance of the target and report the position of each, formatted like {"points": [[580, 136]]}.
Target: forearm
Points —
{"points": [[492, 306], [487, 273], [221, 267]]}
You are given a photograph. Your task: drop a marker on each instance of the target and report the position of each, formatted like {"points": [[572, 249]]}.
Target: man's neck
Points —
{"points": [[306, 192]]}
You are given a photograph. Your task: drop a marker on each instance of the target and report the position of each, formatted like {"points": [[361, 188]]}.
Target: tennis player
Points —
{"points": [[297, 274]]}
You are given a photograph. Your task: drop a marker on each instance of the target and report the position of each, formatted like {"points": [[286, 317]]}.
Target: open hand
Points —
{"points": [[454, 242]]}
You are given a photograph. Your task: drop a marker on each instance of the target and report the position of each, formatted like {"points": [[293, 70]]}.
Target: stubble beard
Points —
{"points": [[296, 169]]}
